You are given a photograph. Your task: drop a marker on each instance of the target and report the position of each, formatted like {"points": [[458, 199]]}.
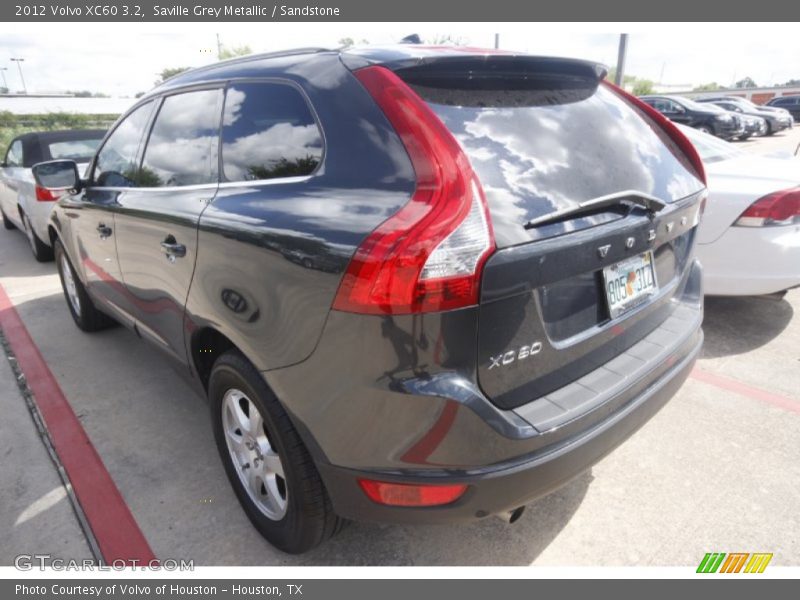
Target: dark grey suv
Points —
{"points": [[415, 284]]}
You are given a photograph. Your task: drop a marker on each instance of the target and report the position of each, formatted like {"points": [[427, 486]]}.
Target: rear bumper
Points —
{"points": [[502, 488], [751, 261], [543, 444]]}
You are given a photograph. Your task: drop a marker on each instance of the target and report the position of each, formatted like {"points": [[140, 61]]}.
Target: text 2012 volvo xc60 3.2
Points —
{"points": [[415, 284]]}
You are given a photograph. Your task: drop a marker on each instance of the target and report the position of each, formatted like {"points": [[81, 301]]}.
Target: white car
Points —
{"points": [[749, 239], [23, 204]]}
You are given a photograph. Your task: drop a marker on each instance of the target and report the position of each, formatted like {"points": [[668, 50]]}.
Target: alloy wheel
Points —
{"points": [[253, 455]]}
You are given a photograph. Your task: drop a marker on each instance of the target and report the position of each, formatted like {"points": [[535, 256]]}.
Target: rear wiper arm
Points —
{"points": [[628, 198]]}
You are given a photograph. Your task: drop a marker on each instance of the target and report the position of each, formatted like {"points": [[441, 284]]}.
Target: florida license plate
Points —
{"points": [[629, 283]]}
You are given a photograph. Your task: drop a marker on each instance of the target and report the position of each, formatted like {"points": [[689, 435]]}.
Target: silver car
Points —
{"points": [[26, 206]]}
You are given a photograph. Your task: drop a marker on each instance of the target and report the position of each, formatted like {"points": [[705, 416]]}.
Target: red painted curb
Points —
{"points": [[116, 531], [748, 391]]}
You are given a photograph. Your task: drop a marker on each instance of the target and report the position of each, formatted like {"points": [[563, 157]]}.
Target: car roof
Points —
{"points": [[64, 135], [394, 56]]}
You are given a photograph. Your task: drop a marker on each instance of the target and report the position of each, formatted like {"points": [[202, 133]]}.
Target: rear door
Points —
{"points": [[156, 223], [568, 288]]}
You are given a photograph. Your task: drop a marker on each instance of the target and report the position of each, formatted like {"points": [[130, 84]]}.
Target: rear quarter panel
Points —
{"points": [[271, 254]]}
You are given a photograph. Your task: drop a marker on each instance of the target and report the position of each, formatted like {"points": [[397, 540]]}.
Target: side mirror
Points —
{"points": [[57, 175]]}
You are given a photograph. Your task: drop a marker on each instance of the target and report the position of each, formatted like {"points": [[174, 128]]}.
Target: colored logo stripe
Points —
{"points": [[713, 562]]}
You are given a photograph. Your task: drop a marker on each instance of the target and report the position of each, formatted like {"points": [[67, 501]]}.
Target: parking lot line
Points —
{"points": [[114, 527], [737, 387]]}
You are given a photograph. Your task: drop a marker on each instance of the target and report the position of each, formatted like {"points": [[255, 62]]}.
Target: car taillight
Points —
{"points": [[46, 195], [778, 208], [675, 134], [428, 256], [404, 494]]}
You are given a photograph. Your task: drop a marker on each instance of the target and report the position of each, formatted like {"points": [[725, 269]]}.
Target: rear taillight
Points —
{"points": [[404, 494], [428, 256], [778, 208], [675, 134], [46, 195]]}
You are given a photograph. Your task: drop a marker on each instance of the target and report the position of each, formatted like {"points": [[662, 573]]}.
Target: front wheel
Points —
{"points": [[270, 469], [705, 129], [80, 305]]}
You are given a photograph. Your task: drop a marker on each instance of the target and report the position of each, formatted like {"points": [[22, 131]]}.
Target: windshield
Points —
{"points": [[711, 149]]}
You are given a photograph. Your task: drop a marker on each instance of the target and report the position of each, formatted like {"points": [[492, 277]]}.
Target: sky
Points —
{"points": [[124, 59]]}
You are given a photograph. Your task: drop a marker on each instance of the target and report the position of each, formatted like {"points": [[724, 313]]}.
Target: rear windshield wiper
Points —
{"points": [[627, 198]]}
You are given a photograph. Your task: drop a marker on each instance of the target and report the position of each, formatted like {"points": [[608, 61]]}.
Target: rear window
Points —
{"points": [[77, 150], [539, 146], [268, 132], [711, 149]]}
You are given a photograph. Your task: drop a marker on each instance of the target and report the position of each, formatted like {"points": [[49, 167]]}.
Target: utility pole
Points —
{"points": [[496, 41], [19, 62], [5, 83], [623, 46]]}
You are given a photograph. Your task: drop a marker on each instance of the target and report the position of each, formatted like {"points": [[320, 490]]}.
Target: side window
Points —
{"points": [[268, 131], [14, 154], [116, 164], [182, 147]]}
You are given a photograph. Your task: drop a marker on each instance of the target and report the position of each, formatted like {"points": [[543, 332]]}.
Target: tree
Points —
{"points": [[792, 82], [626, 79], [234, 51], [445, 40], [3, 90], [642, 87], [708, 87], [348, 42], [168, 73], [87, 94], [139, 94], [747, 82]]}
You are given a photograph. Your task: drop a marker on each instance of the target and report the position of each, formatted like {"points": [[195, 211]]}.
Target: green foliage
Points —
{"points": [[226, 52], [642, 87], [12, 125], [445, 40], [747, 82], [284, 168], [168, 73], [87, 94], [708, 87], [791, 82]]}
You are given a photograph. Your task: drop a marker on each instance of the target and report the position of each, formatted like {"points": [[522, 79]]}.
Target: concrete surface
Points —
{"points": [[35, 513], [714, 471]]}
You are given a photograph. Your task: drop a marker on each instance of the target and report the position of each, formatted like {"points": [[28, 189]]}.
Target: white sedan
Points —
{"points": [[749, 239]]}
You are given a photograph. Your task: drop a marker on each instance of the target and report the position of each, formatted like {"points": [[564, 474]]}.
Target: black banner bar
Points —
{"points": [[401, 11]]}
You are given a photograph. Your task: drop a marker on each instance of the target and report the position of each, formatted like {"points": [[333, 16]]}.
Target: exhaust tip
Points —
{"points": [[511, 516]]}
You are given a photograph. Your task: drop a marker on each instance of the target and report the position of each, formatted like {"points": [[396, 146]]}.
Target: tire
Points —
{"points": [[41, 251], [706, 129], [80, 305], [6, 223], [291, 510], [770, 130]]}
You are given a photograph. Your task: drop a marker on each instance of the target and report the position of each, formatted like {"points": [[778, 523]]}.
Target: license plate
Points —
{"points": [[629, 283]]}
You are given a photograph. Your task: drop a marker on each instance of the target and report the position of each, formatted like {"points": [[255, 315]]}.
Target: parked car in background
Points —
{"points": [[753, 126], [705, 118], [25, 205], [790, 103], [777, 119], [749, 239], [517, 292]]}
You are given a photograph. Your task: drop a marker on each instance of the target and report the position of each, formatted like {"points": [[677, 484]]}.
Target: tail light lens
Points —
{"points": [[46, 195], [428, 256], [403, 494], [778, 208], [675, 134]]}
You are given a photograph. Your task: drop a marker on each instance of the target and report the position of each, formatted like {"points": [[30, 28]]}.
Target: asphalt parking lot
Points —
{"points": [[716, 470]]}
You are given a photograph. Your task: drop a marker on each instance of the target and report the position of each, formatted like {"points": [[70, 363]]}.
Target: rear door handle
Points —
{"points": [[172, 248], [104, 231]]}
